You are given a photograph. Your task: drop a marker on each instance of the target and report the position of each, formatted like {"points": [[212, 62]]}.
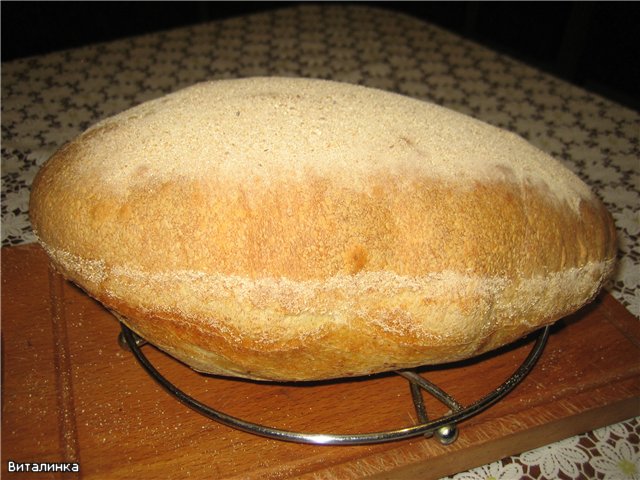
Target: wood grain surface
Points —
{"points": [[71, 394]]}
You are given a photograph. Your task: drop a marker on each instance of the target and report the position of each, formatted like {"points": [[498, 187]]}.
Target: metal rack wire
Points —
{"points": [[445, 428]]}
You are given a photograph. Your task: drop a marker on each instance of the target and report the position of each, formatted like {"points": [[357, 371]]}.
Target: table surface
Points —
{"points": [[50, 99]]}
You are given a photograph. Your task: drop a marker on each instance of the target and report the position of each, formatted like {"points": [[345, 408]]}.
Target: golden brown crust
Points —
{"points": [[298, 274]]}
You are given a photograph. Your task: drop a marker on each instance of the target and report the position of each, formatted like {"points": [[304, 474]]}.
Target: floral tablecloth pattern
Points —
{"points": [[49, 99]]}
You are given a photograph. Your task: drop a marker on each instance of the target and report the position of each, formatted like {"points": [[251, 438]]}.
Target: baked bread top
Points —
{"points": [[270, 215]]}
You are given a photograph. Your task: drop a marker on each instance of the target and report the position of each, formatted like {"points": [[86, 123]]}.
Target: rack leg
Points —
{"points": [[418, 403], [123, 342]]}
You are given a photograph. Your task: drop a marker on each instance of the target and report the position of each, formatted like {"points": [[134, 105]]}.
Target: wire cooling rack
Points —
{"points": [[444, 428]]}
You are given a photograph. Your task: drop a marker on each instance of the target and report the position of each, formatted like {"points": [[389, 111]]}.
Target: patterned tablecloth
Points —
{"points": [[48, 100]]}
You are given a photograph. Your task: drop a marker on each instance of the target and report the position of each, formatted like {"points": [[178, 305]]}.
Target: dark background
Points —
{"points": [[592, 44]]}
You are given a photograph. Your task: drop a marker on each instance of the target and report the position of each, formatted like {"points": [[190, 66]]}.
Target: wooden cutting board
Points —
{"points": [[71, 394]]}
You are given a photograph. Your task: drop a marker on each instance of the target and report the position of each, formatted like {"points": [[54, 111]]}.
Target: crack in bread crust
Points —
{"points": [[279, 329]]}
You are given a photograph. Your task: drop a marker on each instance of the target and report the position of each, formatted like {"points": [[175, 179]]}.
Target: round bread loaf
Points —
{"points": [[296, 229]]}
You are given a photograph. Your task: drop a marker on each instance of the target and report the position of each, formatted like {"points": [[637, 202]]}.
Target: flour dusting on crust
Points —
{"points": [[258, 131]]}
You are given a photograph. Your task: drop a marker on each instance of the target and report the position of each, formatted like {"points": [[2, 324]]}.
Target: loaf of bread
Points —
{"points": [[297, 229]]}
